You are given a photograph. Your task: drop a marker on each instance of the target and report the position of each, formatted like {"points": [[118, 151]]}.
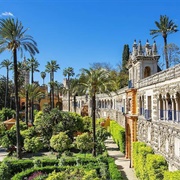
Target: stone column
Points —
{"points": [[167, 118], [159, 109], [164, 109], [177, 109], [173, 108]]}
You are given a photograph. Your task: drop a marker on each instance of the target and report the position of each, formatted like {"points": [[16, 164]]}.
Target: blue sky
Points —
{"points": [[77, 33]]}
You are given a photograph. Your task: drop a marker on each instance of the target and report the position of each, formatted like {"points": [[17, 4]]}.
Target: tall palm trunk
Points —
{"points": [[26, 113], [68, 94], [52, 87], [166, 52], [6, 94], [58, 99], [75, 103], [17, 104], [32, 100], [94, 123]]}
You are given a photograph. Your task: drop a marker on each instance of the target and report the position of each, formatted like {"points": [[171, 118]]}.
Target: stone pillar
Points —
{"points": [[177, 109], [164, 109], [167, 118], [173, 108]]}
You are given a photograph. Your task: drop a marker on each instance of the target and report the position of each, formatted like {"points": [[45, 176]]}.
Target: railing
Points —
{"points": [[130, 85], [141, 111], [123, 110], [169, 115], [167, 74], [147, 114]]}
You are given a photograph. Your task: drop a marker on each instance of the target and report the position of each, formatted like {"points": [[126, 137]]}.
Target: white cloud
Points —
{"points": [[7, 14]]}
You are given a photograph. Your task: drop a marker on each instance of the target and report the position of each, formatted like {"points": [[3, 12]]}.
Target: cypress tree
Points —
{"points": [[125, 57]]}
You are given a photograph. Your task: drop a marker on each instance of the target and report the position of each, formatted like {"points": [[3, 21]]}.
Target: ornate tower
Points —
{"points": [[143, 62]]}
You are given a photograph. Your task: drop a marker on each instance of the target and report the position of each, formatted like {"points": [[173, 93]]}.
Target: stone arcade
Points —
{"points": [[149, 108]]}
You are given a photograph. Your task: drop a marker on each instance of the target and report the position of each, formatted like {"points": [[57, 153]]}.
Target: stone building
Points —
{"points": [[149, 108]]}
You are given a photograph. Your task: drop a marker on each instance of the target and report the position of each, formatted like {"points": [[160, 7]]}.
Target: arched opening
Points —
{"points": [[161, 114], [147, 71], [169, 107]]}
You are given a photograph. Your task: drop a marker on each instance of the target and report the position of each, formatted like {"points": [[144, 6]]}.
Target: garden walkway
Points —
{"points": [[120, 160]]}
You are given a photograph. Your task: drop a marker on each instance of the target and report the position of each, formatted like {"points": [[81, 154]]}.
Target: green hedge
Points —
{"points": [[118, 134], [175, 175], [147, 165], [113, 170], [156, 166], [19, 169], [9, 168]]}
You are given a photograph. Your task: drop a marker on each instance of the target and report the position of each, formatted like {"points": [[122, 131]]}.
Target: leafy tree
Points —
{"points": [[173, 54], [13, 37], [43, 75], [52, 67], [95, 81], [33, 145], [68, 72], [102, 135], [60, 142], [6, 63], [6, 113], [165, 26], [84, 142], [87, 124]]}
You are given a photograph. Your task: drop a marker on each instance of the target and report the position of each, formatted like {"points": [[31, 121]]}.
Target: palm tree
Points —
{"points": [[68, 72], [43, 75], [6, 63], [52, 67], [33, 93], [75, 89], [95, 81], [13, 37], [33, 65], [165, 27], [59, 88]]}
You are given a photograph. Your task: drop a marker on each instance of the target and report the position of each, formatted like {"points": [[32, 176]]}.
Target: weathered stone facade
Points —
{"points": [[149, 108]]}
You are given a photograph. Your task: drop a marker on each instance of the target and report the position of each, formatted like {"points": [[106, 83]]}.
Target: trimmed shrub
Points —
{"points": [[60, 142], [143, 152], [175, 175], [84, 142], [33, 145], [118, 134], [140, 151], [147, 165], [114, 173], [156, 166]]}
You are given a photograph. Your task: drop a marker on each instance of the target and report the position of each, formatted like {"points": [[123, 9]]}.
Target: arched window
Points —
{"points": [[147, 71]]}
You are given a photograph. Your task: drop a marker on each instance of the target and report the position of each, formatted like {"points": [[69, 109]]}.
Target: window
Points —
{"points": [[147, 71]]}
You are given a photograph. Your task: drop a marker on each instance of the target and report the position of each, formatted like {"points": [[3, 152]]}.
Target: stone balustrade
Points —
{"points": [[159, 77]]}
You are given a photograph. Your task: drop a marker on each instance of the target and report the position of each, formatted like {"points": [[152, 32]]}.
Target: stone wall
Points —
{"points": [[162, 137]]}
